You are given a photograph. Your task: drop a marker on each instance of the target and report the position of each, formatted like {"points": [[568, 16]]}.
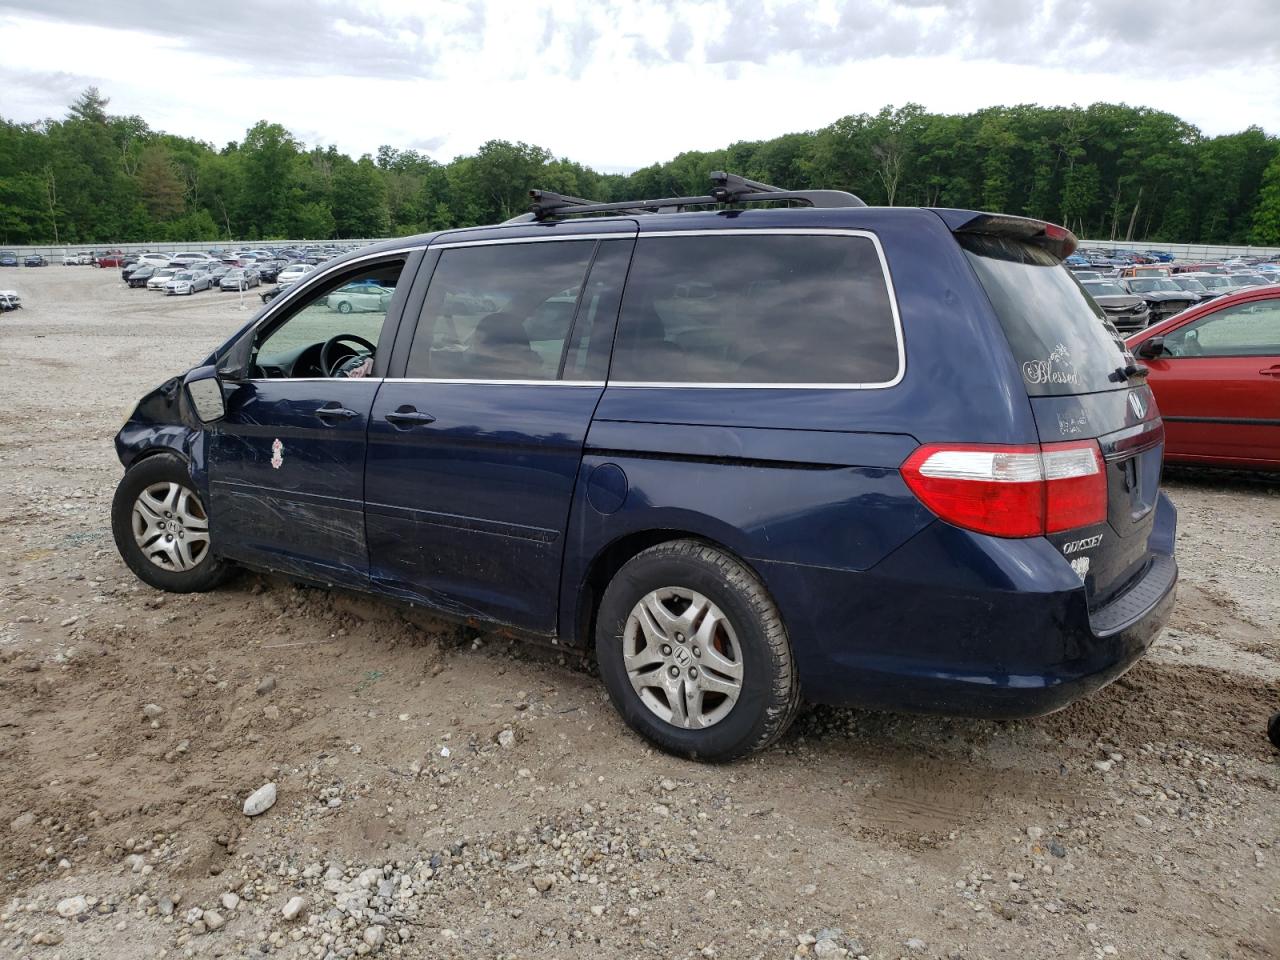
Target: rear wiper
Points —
{"points": [[1129, 372]]}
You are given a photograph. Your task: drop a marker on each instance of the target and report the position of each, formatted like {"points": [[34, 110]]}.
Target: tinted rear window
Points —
{"points": [[766, 309], [1061, 339]]}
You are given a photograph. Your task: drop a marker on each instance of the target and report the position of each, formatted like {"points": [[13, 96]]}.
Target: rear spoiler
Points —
{"points": [[1057, 240]]}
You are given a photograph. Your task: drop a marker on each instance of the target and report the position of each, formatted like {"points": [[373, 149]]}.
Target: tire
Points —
{"points": [[696, 582], [344, 306], [183, 564]]}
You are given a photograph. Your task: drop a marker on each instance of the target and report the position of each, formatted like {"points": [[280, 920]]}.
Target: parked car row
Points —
{"points": [[1136, 295], [189, 275], [10, 259]]}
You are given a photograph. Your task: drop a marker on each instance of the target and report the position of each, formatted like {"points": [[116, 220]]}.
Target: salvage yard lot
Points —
{"points": [[1141, 822]]}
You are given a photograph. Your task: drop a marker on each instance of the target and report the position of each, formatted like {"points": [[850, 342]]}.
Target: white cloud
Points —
{"points": [[622, 84]]}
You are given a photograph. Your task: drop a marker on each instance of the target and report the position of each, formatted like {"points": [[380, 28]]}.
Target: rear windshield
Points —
{"points": [[1061, 339]]}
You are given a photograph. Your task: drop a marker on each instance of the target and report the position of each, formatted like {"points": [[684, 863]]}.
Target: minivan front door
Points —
{"points": [[286, 463], [474, 452]]}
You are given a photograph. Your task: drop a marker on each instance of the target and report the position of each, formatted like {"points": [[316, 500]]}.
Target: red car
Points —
{"points": [[1215, 371], [112, 258]]}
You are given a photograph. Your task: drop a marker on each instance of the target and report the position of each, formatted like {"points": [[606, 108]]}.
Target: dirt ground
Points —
{"points": [[1143, 822]]}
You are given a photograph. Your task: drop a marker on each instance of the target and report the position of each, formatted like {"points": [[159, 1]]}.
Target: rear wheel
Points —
{"points": [[161, 528], [694, 653]]}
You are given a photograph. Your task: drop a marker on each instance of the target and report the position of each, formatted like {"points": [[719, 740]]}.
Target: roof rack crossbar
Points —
{"points": [[726, 188]]}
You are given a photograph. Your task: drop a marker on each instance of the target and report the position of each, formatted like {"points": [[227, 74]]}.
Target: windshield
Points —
{"points": [[1105, 289], [1060, 338], [1195, 286], [182, 276], [1146, 285]]}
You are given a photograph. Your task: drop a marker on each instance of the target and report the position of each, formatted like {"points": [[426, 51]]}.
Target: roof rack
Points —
{"points": [[726, 188]]}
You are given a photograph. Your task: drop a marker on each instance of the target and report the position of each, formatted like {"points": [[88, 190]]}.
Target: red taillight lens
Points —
{"points": [[1011, 491]]}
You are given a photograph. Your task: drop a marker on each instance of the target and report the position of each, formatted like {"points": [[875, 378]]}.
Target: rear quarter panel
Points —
{"points": [[798, 478]]}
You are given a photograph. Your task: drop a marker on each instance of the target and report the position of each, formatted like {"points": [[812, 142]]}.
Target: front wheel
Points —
{"points": [[161, 528], [694, 653]]}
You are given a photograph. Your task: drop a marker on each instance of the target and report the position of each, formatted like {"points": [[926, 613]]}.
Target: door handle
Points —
{"points": [[408, 416], [1272, 371], [338, 413]]}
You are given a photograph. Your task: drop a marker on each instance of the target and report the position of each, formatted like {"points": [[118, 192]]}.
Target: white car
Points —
{"points": [[157, 260], [160, 278], [360, 298], [188, 259], [294, 272], [9, 300]]}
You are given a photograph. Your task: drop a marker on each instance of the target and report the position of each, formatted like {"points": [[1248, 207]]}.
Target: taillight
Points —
{"points": [[1011, 491]]}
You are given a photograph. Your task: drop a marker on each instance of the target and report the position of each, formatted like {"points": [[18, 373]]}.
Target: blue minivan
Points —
{"points": [[752, 447]]}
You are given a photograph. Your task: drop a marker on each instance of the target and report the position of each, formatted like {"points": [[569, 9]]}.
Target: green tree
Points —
{"points": [[359, 201], [159, 187], [1266, 216]]}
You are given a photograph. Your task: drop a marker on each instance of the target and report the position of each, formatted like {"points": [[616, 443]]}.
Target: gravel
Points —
{"points": [[445, 793]]}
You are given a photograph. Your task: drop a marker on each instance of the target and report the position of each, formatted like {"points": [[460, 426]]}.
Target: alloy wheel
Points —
{"points": [[170, 526], [682, 657]]}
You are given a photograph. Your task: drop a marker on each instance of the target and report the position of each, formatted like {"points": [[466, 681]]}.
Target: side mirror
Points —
{"points": [[1151, 349], [204, 393]]}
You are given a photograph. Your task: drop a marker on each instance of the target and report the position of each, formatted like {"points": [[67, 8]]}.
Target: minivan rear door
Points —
{"points": [[476, 440], [1082, 384]]}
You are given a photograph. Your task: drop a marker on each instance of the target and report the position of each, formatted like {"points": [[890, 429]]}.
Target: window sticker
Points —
{"points": [[1056, 368], [1072, 423]]}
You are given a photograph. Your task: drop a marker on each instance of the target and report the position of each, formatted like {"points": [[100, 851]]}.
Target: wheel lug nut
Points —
{"points": [[679, 638], [697, 651], [693, 673], [675, 671], [666, 650]]}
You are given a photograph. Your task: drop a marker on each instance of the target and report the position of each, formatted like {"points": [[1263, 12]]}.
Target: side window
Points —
{"points": [[1245, 330], [349, 310], [757, 310], [500, 312]]}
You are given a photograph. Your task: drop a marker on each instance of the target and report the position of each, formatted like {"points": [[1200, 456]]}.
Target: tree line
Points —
{"points": [[1105, 171]]}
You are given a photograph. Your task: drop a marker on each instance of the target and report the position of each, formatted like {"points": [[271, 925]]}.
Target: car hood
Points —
{"points": [[1116, 301]]}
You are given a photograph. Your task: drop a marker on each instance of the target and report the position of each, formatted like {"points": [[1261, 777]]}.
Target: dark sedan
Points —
{"points": [[139, 275], [35, 260], [1127, 311]]}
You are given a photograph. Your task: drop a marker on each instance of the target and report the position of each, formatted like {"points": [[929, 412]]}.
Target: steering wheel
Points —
{"points": [[333, 368]]}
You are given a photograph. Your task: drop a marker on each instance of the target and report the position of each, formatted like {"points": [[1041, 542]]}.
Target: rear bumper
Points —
{"points": [[965, 625]]}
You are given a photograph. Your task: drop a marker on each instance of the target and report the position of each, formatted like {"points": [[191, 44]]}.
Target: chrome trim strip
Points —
{"points": [[509, 240], [312, 380], [676, 384], [768, 231], [518, 383]]}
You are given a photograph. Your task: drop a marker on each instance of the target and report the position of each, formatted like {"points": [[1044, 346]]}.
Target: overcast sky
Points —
{"points": [[619, 84]]}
